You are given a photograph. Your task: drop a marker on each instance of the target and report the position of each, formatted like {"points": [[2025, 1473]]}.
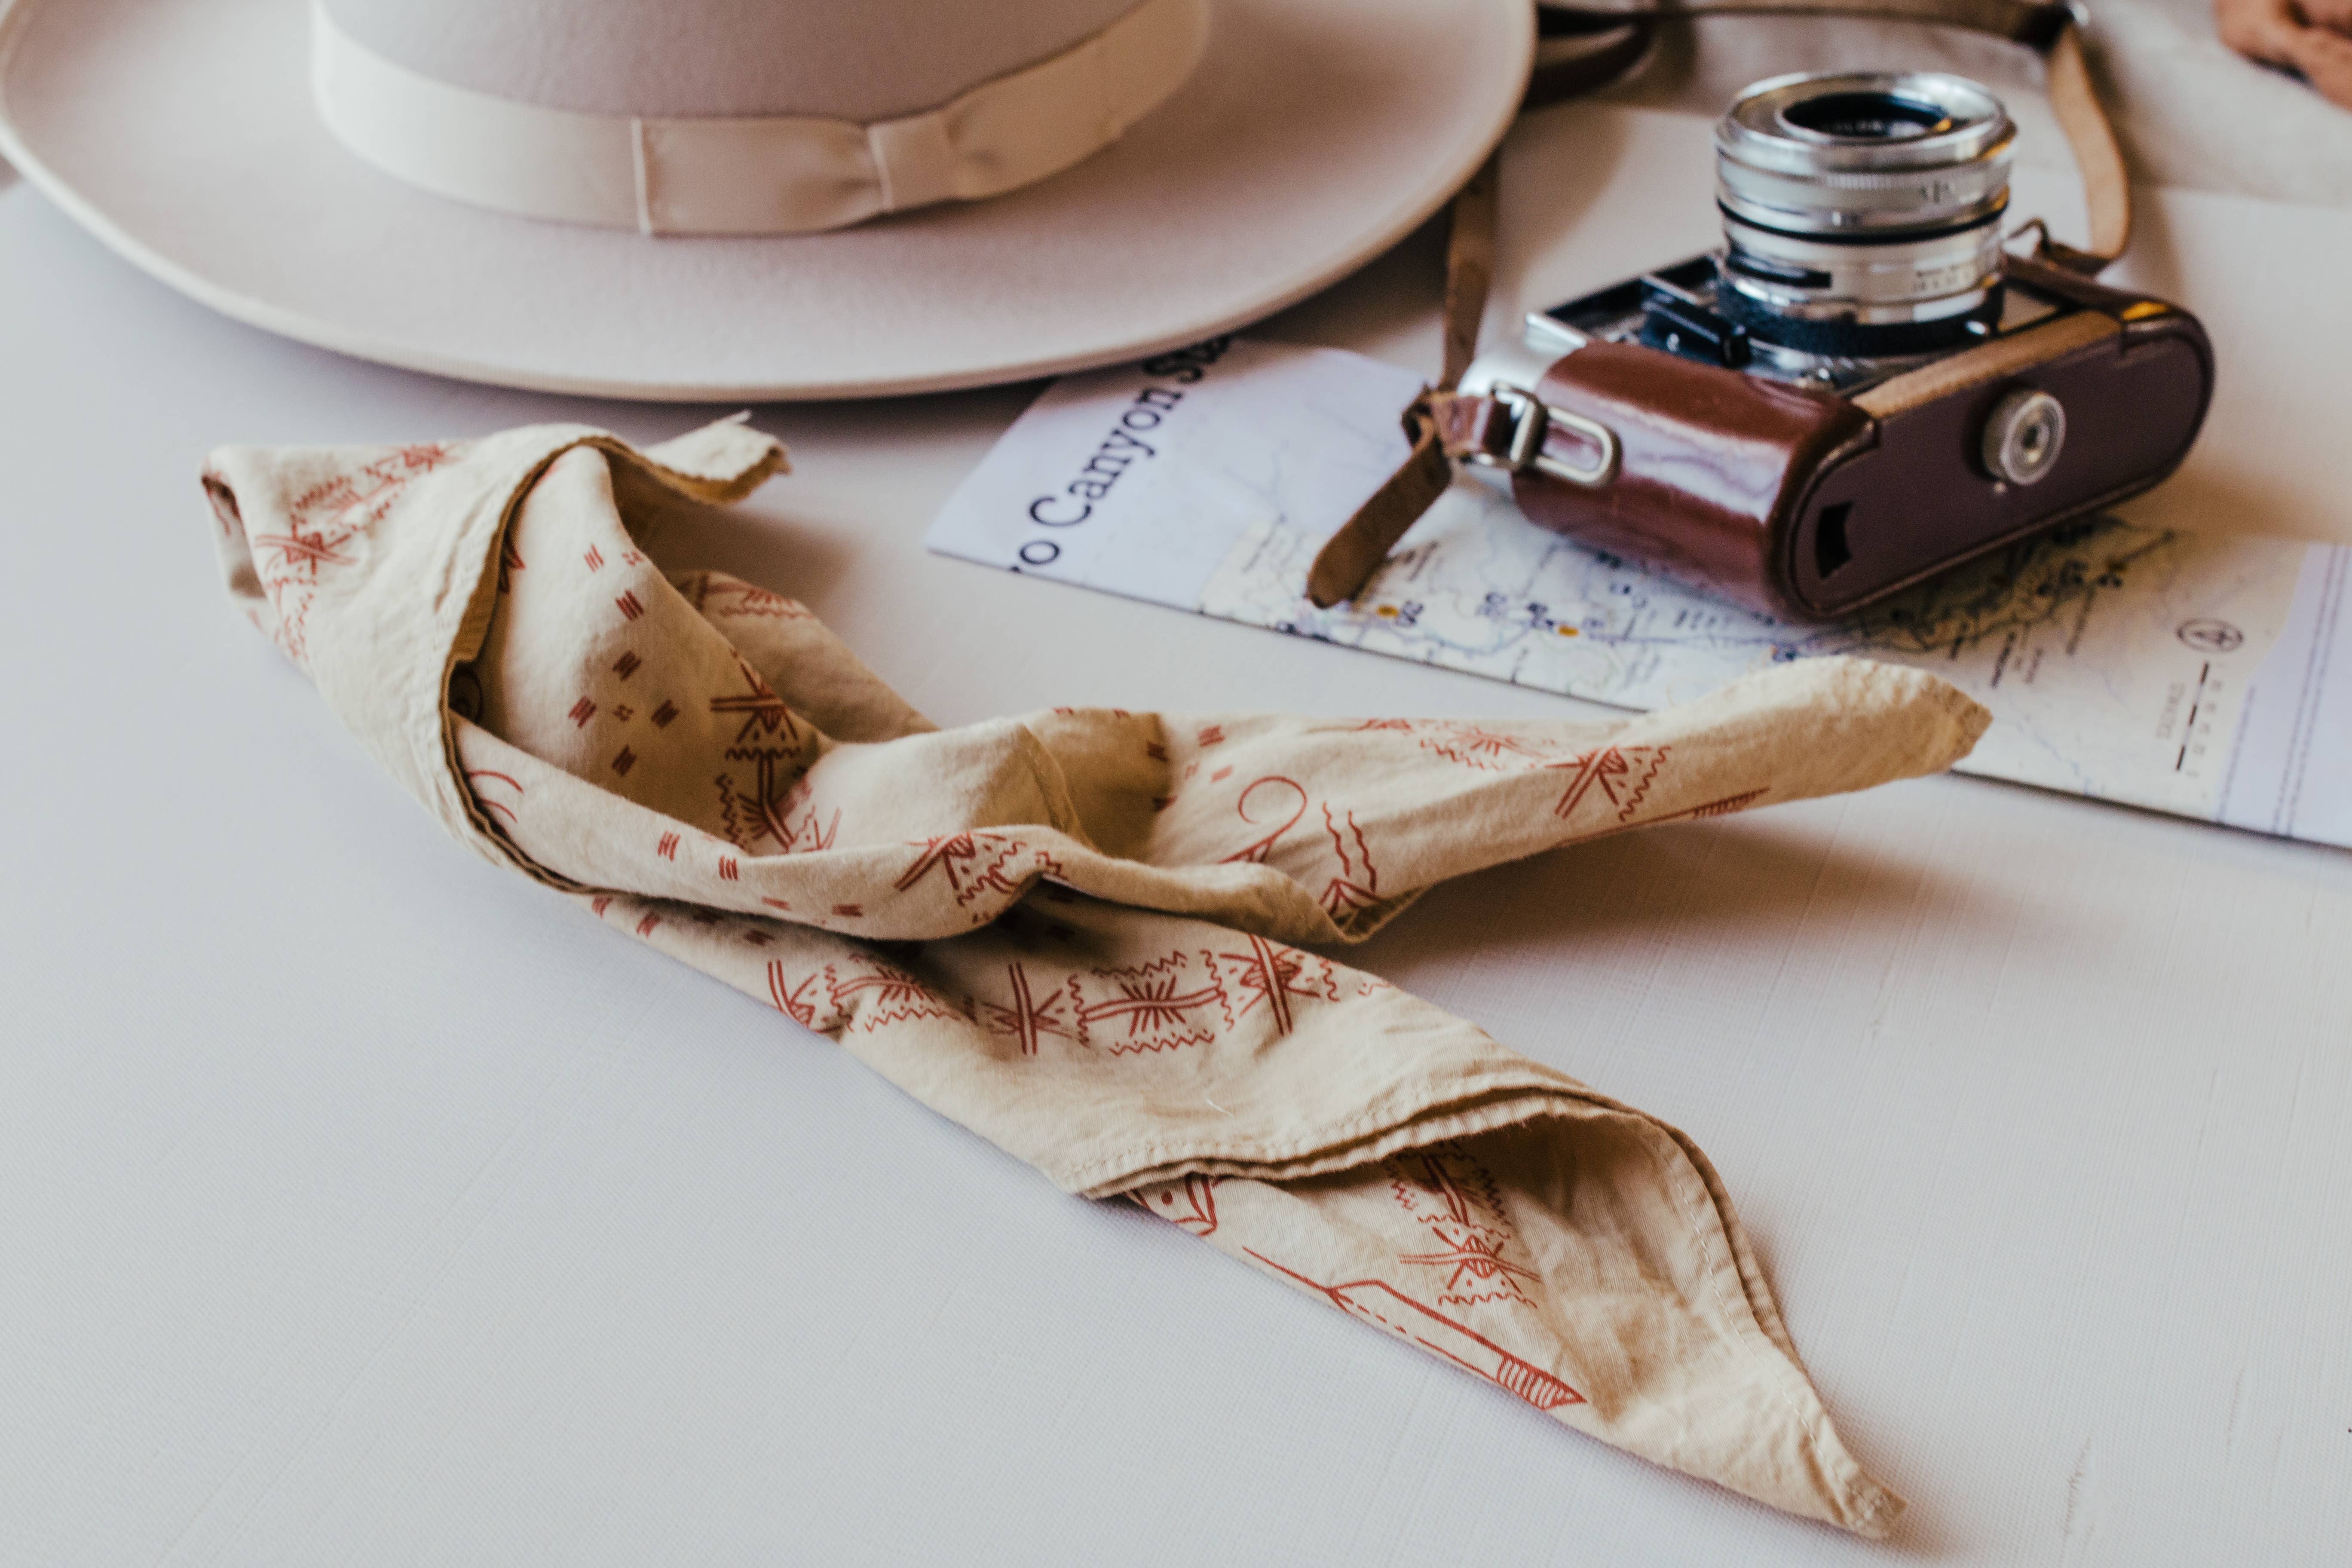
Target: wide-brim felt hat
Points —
{"points": [[1231, 156]]}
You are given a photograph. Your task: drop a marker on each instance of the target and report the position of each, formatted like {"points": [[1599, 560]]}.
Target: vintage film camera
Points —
{"points": [[1862, 387]]}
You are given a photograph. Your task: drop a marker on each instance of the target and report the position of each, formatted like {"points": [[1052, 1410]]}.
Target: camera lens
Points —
{"points": [[1861, 212], [1866, 116]]}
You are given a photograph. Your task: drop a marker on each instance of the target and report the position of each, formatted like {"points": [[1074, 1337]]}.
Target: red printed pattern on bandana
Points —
{"points": [[1029, 1015], [325, 527], [1165, 1005], [1190, 998], [1149, 1007], [764, 812], [771, 739], [1378, 1302], [1189, 1204], [1621, 777], [1467, 744], [977, 862], [1270, 974], [861, 995], [1455, 1199], [490, 807], [713, 596], [1354, 885]]}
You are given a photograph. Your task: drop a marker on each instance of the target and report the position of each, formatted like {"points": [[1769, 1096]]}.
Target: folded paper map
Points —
{"points": [[2208, 677]]}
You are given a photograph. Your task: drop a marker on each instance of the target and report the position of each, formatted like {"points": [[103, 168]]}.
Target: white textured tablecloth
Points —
{"points": [[2041, 1113]]}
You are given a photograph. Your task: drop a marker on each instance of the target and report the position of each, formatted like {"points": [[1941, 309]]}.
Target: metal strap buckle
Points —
{"points": [[1531, 422]]}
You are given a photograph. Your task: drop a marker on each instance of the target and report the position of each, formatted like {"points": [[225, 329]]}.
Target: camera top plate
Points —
{"points": [[1671, 310]]}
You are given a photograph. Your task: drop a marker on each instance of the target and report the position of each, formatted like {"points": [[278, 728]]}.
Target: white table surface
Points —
{"points": [[360, 1203]]}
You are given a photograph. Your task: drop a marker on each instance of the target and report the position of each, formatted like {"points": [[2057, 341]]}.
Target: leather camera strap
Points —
{"points": [[1442, 426]]}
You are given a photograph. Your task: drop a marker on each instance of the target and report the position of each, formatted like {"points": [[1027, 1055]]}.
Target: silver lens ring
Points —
{"points": [[1869, 201], [1929, 279], [1863, 121]]}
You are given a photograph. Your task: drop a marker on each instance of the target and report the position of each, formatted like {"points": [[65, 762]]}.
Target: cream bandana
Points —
{"points": [[1075, 931]]}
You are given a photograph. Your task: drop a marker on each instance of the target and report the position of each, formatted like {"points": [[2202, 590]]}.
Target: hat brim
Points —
{"points": [[1314, 135]]}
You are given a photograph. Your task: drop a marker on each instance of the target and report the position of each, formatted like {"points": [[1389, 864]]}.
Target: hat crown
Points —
{"points": [[850, 59]]}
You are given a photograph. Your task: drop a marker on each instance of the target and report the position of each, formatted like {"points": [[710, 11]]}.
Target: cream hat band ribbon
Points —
{"points": [[774, 174]]}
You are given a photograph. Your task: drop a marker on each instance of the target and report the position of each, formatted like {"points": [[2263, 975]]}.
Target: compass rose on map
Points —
{"points": [[2207, 635]]}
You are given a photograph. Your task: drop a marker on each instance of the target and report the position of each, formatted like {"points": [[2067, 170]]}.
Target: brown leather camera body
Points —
{"points": [[1808, 504]]}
